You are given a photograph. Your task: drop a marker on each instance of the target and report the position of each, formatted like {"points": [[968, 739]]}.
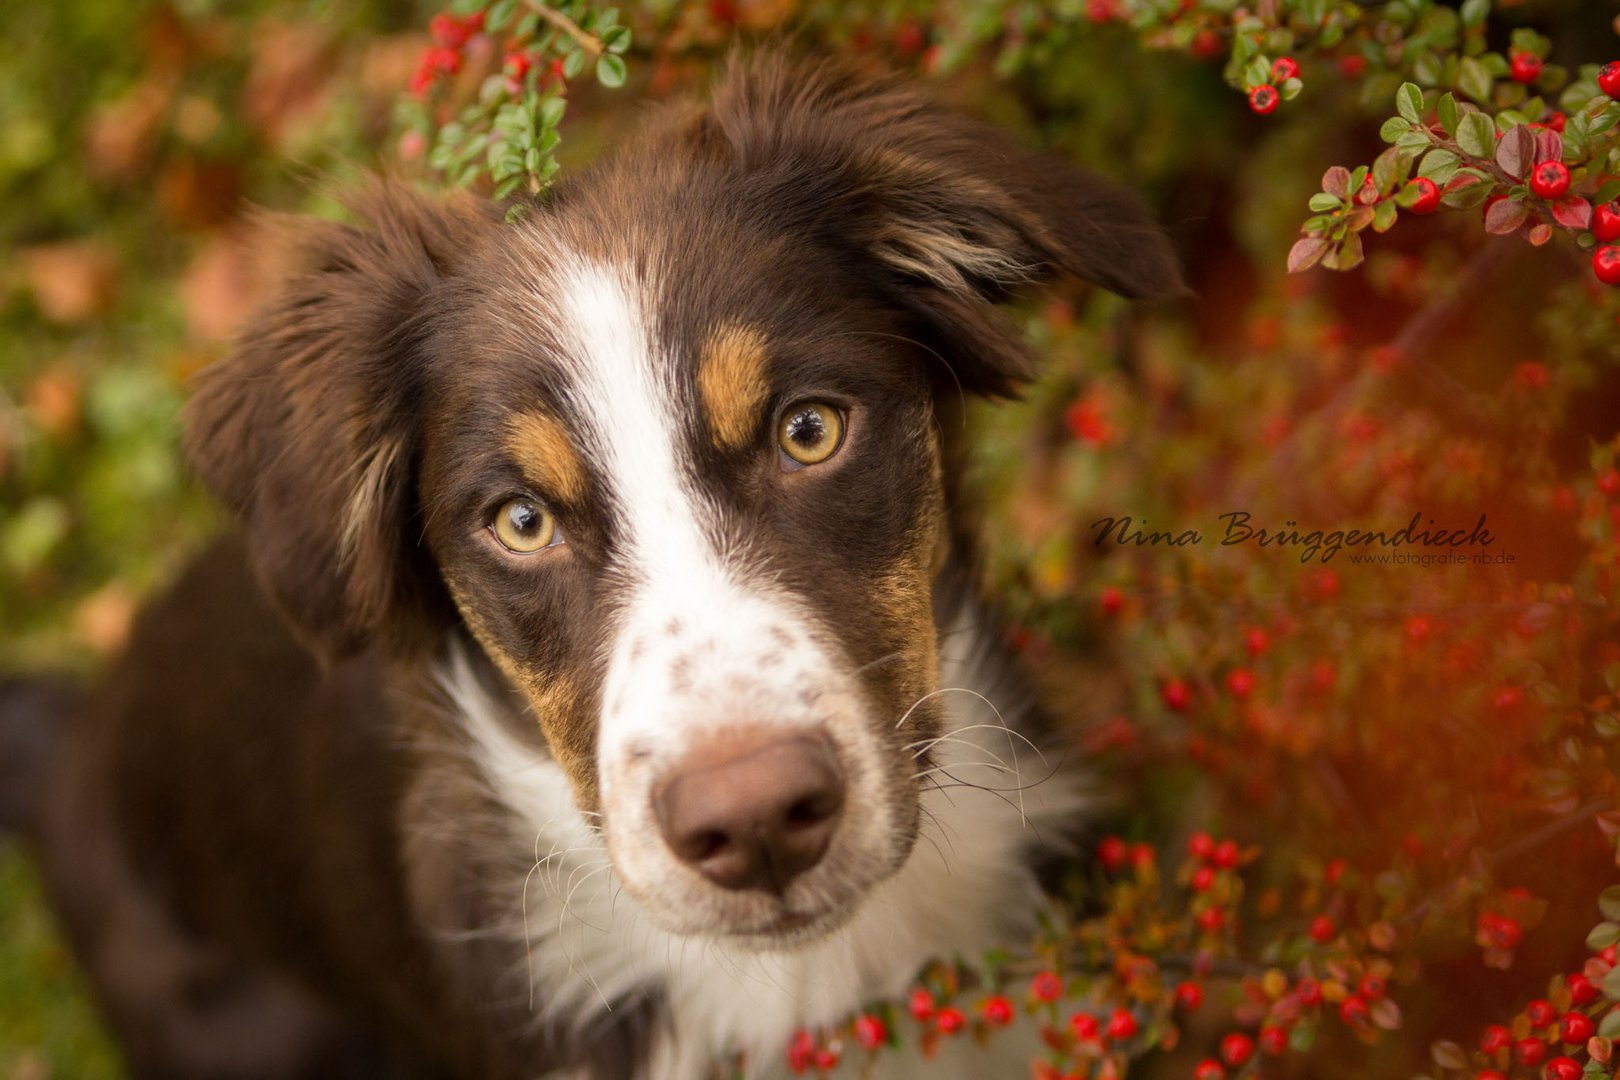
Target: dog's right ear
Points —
{"points": [[306, 430]]}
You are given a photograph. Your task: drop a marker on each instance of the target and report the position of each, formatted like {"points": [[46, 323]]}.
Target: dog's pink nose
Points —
{"points": [[753, 812]]}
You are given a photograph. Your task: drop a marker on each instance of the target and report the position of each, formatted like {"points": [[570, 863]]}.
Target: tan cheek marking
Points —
{"points": [[539, 444], [558, 703], [731, 380]]}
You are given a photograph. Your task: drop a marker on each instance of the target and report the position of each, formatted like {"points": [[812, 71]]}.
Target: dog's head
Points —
{"points": [[666, 447]]}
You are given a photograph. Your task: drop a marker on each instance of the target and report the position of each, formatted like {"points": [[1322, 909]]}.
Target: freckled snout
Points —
{"points": [[752, 810]]}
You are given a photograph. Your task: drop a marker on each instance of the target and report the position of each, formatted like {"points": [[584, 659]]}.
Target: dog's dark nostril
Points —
{"points": [[753, 810]]}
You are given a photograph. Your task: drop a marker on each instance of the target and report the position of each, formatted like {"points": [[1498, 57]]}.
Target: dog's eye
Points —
{"points": [[810, 433], [524, 526]]}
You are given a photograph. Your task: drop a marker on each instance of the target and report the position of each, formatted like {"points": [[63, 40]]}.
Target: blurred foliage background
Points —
{"points": [[1453, 374]]}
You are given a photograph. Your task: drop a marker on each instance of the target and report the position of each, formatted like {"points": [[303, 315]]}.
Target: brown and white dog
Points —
{"points": [[596, 682]]}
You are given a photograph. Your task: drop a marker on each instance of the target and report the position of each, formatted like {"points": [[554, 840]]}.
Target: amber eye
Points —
{"points": [[811, 432], [524, 526]]}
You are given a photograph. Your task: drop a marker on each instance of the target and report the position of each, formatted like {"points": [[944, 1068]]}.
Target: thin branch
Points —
{"points": [[557, 19]]}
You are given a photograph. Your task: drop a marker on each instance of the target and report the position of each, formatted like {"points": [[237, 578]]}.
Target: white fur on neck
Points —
{"points": [[966, 888]]}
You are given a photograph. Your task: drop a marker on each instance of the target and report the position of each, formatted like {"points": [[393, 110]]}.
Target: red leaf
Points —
{"points": [[1515, 151], [1573, 213], [1306, 253], [1540, 233], [1504, 216], [1461, 180], [1336, 181], [1549, 145]]}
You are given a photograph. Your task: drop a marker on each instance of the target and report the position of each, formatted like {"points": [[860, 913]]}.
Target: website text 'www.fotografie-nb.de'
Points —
{"points": [[1420, 542]]}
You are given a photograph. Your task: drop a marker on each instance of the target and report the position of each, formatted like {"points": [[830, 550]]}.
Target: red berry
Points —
{"points": [[801, 1051], [909, 37], [951, 1020], [1236, 1048], [1608, 481], [1609, 78], [1226, 854], [516, 64], [1263, 99], [1540, 1014], [1353, 66], [921, 1004], [1608, 954], [1210, 920], [1333, 872], [1284, 68], [1529, 1051], [1111, 599], [1353, 1010], [1202, 879], [1550, 180], [1122, 1025], [1256, 641], [448, 31], [997, 1010], [723, 12], [1496, 1038], [1322, 930], [1046, 986], [870, 1031], [1606, 221], [1606, 264], [1209, 1069], [1201, 846], [1175, 694], [1557, 120], [1084, 1026], [1373, 988], [1189, 995], [1575, 1028], [827, 1058], [1562, 1068], [1525, 67], [1240, 682], [1490, 1074], [1112, 853], [1309, 991], [1273, 1041], [1142, 856], [1427, 200], [1581, 989]]}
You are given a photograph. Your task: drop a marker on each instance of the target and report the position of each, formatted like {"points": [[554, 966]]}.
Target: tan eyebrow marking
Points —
{"points": [[731, 380], [539, 444]]}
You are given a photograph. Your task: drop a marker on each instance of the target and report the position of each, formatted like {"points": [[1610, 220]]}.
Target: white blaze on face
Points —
{"points": [[698, 648]]}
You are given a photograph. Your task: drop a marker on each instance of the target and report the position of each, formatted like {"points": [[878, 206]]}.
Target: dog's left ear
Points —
{"points": [[954, 215], [308, 430]]}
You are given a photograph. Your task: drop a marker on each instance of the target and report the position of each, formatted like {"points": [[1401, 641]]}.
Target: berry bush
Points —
{"points": [[1320, 568]]}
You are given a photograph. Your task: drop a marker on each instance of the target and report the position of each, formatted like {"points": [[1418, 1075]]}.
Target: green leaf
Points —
{"points": [[1474, 80], [1609, 904], [1446, 107], [1448, 1055], [1409, 101], [1438, 165], [1611, 983], [617, 40], [1322, 202], [1474, 13], [1477, 135], [610, 70], [500, 13], [1609, 1028], [1384, 216], [574, 63], [1602, 936], [1394, 128], [1414, 142]]}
